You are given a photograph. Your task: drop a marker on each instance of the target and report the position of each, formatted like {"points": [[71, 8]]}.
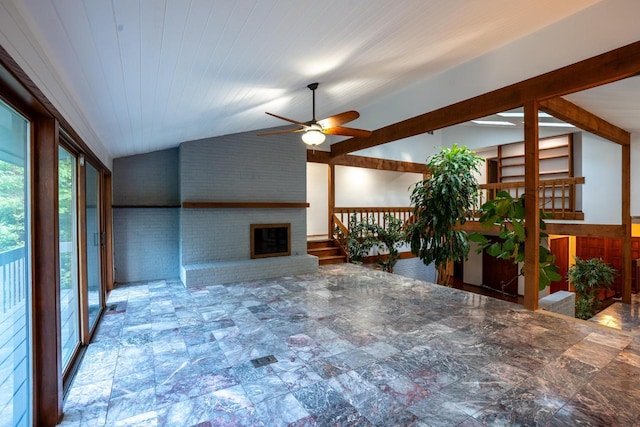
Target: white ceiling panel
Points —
{"points": [[151, 74]]}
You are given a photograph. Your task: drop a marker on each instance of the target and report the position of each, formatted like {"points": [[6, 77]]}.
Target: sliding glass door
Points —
{"points": [[93, 242], [15, 278], [68, 243]]}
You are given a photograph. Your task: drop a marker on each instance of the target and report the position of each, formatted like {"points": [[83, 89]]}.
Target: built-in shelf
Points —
{"points": [[243, 205]]}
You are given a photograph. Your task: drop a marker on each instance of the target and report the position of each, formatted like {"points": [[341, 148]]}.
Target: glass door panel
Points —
{"points": [[68, 244], [15, 279], [92, 215]]}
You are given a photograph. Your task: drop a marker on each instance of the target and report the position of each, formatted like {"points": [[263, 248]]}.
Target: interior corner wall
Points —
{"points": [[318, 199], [602, 191], [145, 239], [360, 187]]}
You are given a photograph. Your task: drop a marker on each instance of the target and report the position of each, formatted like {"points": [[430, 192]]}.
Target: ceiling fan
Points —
{"points": [[315, 130]]}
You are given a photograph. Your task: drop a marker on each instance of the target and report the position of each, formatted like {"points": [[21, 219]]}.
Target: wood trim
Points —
{"points": [[108, 232], [531, 198], [366, 162], [254, 227], [144, 206], [583, 119], [598, 70], [47, 348], [83, 289], [243, 205]]}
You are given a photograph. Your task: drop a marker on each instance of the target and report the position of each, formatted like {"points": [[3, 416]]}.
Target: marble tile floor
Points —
{"points": [[354, 347], [625, 317]]}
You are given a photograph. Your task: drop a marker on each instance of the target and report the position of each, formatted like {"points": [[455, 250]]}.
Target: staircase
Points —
{"points": [[327, 251]]}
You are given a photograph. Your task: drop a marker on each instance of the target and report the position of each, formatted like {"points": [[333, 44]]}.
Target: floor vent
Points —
{"points": [[264, 361], [112, 307]]}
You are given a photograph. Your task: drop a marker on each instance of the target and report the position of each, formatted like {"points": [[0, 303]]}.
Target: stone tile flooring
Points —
{"points": [[625, 317], [355, 347]]}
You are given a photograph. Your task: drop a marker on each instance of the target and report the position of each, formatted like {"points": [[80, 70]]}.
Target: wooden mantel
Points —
{"points": [[244, 205]]}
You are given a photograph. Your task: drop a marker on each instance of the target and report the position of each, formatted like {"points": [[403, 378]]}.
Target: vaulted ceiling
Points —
{"points": [[150, 74]]}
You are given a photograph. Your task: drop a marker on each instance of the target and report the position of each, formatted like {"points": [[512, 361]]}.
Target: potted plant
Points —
{"points": [[389, 239], [441, 203], [588, 277], [508, 214]]}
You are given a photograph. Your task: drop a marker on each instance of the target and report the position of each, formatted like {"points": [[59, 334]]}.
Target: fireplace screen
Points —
{"points": [[268, 240]]}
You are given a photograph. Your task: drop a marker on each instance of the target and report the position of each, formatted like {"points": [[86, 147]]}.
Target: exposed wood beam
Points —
{"points": [[605, 68], [586, 230], [365, 162], [578, 116]]}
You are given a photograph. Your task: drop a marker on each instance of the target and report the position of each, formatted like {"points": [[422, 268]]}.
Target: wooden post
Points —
{"points": [[332, 197], [47, 350], [626, 223], [532, 206]]}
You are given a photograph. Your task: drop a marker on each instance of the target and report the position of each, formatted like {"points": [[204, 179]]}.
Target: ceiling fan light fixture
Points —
{"points": [[313, 137]]}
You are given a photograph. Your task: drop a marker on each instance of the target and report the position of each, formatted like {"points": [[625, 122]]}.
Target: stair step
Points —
{"points": [[320, 252], [333, 259], [316, 244]]}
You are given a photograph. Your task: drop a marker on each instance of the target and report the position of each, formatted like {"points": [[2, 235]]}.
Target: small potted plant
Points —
{"points": [[588, 277]]}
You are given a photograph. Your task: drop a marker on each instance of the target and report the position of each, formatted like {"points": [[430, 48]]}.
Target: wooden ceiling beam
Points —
{"points": [[602, 69], [366, 162], [569, 112]]}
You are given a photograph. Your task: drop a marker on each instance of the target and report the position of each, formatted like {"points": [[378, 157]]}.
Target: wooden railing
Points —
{"points": [[376, 215], [341, 220], [557, 196], [12, 278]]}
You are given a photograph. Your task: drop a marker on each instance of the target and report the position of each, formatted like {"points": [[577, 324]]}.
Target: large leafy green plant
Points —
{"points": [[365, 234], [508, 215], [390, 238], [441, 203], [587, 278]]}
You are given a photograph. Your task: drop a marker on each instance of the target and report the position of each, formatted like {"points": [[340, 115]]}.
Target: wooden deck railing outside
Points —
{"points": [[12, 278]]}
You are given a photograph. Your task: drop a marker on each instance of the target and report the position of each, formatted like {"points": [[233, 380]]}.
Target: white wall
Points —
{"points": [[601, 192], [358, 187], [318, 199]]}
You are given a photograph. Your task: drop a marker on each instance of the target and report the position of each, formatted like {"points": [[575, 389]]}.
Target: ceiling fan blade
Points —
{"points": [[339, 119], [287, 120], [340, 130], [280, 132]]}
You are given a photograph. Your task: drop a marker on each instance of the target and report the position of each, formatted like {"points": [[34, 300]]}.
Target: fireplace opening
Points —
{"points": [[270, 240]]}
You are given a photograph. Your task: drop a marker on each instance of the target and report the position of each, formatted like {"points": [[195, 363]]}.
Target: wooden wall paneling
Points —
{"points": [[532, 198], [560, 248], [47, 355]]}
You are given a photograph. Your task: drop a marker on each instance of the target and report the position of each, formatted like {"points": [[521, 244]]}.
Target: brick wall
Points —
{"points": [[146, 241], [145, 244], [239, 168], [147, 179], [157, 242]]}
